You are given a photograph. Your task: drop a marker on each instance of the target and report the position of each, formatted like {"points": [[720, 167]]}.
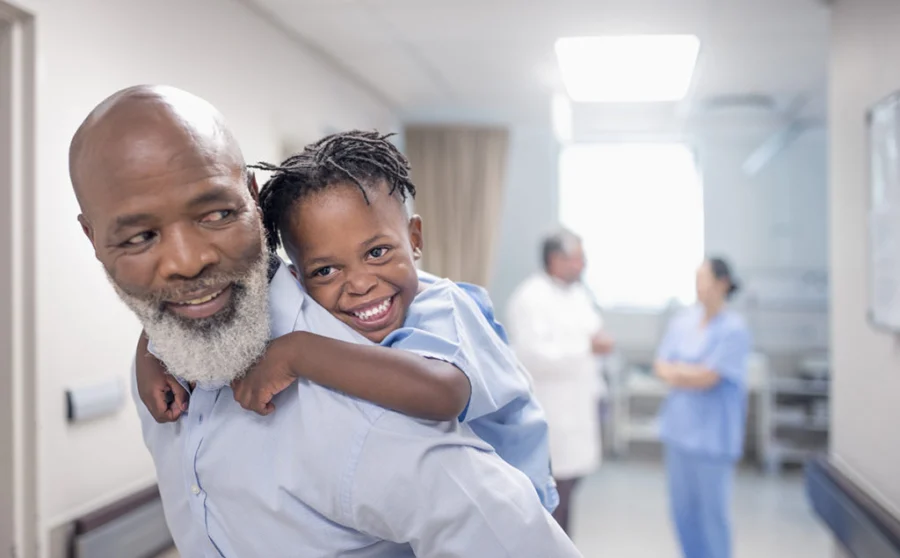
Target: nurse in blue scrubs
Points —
{"points": [[703, 358]]}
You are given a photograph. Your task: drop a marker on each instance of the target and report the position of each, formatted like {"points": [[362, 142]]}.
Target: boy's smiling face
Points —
{"points": [[357, 260]]}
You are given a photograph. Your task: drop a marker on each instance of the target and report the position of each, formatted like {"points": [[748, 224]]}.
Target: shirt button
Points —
{"points": [[195, 490], [200, 419]]}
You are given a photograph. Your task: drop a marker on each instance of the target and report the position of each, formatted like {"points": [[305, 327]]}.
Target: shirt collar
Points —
{"points": [[427, 278], [558, 283], [286, 299], [275, 264]]}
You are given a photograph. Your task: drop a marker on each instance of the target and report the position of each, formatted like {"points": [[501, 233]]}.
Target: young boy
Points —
{"points": [[338, 209]]}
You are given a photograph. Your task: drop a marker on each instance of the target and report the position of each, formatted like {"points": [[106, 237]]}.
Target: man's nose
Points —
{"points": [[186, 252], [361, 283]]}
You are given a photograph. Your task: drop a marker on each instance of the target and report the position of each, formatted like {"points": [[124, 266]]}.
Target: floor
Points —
{"points": [[621, 512]]}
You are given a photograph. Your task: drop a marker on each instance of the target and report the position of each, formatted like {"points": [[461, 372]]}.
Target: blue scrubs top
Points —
{"points": [[709, 422]]}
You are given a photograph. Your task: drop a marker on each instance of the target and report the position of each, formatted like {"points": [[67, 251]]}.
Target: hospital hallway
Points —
{"points": [[660, 227], [622, 512]]}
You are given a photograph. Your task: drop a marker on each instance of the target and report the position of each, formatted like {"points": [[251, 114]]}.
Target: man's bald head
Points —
{"points": [[167, 205], [144, 130]]}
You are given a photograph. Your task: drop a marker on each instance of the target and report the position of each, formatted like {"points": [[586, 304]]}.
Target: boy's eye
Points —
{"points": [[323, 271], [218, 216], [379, 252], [139, 239]]}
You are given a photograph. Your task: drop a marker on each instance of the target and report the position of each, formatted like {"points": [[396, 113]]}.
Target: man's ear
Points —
{"points": [[86, 228], [252, 186], [416, 240], [88, 231]]}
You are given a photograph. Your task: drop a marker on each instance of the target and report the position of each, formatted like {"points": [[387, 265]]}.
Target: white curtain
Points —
{"points": [[460, 175]]}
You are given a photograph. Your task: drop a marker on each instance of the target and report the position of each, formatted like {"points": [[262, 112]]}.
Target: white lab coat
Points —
{"points": [[550, 327]]}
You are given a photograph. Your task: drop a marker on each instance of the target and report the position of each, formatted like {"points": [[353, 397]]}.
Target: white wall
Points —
{"points": [[776, 219], [530, 208], [266, 86], [866, 386]]}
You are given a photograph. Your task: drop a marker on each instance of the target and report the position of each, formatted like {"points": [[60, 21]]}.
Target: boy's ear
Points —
{"points": [[416, 240]]}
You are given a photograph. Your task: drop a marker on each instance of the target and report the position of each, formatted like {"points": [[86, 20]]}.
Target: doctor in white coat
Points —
{"points": [[557, 332]]}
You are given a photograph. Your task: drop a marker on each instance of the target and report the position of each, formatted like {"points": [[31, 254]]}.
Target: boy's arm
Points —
{"points": [[161, 393], [399, 380]]}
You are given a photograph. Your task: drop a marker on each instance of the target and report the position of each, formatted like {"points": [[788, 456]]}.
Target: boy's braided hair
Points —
{"points": [[363, 158]]}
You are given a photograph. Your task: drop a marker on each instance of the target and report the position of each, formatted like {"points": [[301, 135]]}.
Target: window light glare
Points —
{"points": [[627, 69]]}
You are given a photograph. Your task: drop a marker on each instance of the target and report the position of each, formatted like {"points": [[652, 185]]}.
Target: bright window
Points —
{"points": [[639, 209]]}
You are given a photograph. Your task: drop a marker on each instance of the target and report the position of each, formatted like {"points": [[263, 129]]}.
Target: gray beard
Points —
{"points": [[214, 351]]}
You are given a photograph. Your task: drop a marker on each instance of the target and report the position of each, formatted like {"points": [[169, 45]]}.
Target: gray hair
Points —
{"points": [[561, 241]]}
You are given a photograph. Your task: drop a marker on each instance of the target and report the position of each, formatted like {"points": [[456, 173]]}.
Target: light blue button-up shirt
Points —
{"points": [[708, 422], [454, 323], [327, 475]]}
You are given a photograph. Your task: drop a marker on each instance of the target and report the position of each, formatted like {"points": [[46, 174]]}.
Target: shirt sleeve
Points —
{"points": [[445, 323], [479, 296], [729, 355], [666, 350], [483, 301], [440, 489], [593, 318]]}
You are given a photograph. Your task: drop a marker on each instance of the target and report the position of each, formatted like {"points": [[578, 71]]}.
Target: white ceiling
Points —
{"points": [[485, 55]]}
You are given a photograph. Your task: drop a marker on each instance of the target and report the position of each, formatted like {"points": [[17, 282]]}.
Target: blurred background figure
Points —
{"points": [[558, 334], [703, 358]]}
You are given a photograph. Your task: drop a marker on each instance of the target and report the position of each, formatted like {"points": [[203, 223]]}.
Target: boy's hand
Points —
{"points": [[162, 395], [269, 377]]}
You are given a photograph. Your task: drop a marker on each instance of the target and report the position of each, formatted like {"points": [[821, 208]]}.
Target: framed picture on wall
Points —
{"points": [[883, 128]]}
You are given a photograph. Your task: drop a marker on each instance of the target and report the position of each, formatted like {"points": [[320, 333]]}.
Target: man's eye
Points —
{"points": [[140, 239], [218, 216], [323, 271], [379, 252]]}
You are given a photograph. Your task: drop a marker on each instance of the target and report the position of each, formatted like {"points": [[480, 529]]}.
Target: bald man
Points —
{"points": [[172, 215]]}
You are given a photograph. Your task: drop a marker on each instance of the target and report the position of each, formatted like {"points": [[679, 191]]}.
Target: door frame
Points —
{"points": [[18, 402]]}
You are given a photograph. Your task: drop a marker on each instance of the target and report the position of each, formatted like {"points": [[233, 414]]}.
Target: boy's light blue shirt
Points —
{"points": [[708, 422], [455, 323]]}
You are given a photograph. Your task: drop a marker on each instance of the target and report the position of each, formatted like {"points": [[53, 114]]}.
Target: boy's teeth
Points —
{"points": [[375, 311]]}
